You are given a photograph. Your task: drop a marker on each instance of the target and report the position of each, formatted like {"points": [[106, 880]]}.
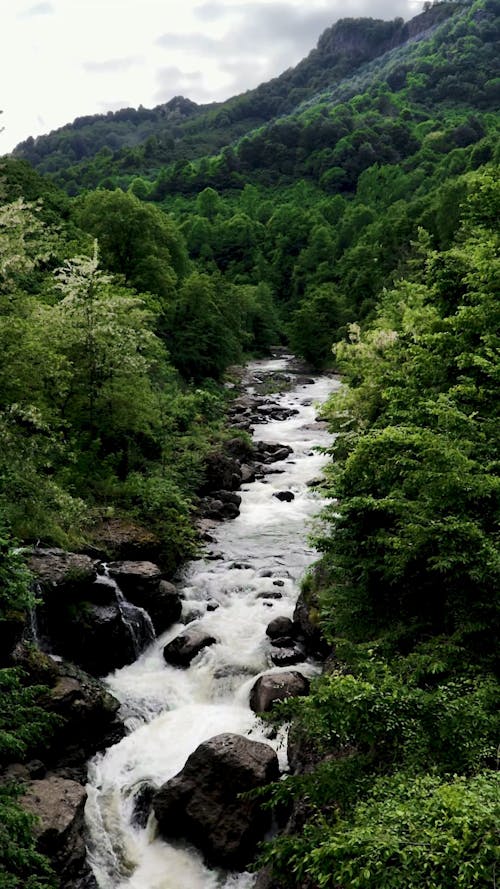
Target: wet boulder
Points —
{"points": [[277, 687], [283, 642], [268, 452], [203, 805], [284, 496], [221, 472], [184, 648], [143, 804], [96, 637], [80, 618], [247, 473]]}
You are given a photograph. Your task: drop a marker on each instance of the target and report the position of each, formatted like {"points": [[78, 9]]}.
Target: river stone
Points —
{"points": [[217, 509], [280, 626], [283, 642], [247, 473], [213, 605], [58, 805], [184, 648], [227, 497], [96, 638], [143, 804], [221, 472], [276, 687], [285, 496], [203, 805]]}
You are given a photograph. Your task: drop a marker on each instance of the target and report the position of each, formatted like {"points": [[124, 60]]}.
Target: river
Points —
{"points": [[258, 556]]}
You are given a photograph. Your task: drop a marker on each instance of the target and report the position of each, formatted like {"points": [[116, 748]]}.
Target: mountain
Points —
{"points": [[181, 129]]}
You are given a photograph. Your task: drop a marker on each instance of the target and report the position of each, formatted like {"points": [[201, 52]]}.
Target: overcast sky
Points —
{"points": [[60, 59]]}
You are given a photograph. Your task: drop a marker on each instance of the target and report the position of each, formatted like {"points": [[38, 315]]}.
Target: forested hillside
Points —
{"points": [[180, 129], [349, 209]]}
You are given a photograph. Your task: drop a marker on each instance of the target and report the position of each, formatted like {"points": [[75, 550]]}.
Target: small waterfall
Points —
{"points": [[30, 633], [136, 619]]}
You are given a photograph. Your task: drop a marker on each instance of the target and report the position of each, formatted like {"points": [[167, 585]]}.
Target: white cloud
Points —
{"points": [[38, 9]]}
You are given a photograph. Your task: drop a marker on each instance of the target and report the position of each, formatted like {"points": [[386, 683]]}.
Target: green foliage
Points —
{"points": [[24, 724], [20, 863], [203, 328], [160, 504], [16, 596], [136, 240], [414, 539], [409, 831], [319, 320], [393, 721]]}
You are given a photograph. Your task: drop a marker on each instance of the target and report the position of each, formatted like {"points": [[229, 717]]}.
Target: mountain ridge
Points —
{"points": [[179, 125]]}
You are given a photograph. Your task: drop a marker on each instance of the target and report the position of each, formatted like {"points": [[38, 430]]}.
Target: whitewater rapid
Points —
{"points": [[256, 557]]}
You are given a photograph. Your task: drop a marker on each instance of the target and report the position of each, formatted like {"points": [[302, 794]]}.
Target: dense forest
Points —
{"points": [[348, 209]]}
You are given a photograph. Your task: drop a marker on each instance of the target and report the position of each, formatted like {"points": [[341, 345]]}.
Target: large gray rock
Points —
{"points": [[222, 472], [184, 648], [58, 805], [61, 575], [118, 538], [221, 506], [94, 636], [203, 804], [277, 687], [80, 619]]}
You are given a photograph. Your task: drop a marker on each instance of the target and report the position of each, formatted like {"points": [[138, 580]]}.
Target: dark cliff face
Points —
{"points": [[430, 18], [360, 40]]}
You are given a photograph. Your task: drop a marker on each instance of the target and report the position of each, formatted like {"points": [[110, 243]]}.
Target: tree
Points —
{"points": [[136, 240], [204, 328], [104, 331]]}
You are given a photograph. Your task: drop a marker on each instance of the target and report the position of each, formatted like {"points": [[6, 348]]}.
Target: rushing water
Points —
{"points": [[169, 711]]}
